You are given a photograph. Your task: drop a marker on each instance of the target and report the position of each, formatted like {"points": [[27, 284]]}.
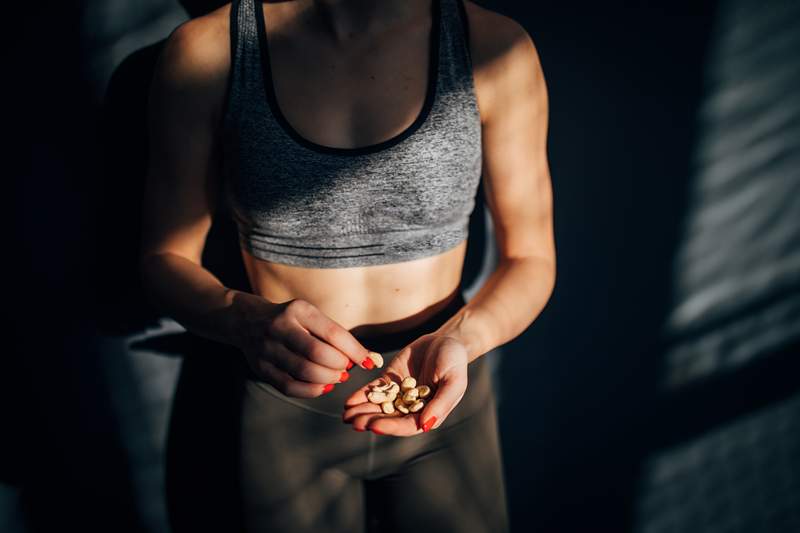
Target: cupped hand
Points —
{"points": [[436, 360]]}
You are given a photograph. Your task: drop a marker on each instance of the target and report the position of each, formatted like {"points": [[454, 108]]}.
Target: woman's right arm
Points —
{"points": [[292, 344], [181, 186]]}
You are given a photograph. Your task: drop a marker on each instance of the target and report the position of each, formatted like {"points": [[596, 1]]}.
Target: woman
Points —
{"points": [[347, 140]]}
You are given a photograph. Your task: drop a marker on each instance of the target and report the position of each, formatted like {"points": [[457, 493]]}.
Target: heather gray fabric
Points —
{"points": [[300, 203]]}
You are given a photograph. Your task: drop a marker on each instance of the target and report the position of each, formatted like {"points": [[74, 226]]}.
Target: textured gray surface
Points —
{"points": [[740, 478], [737, 271], [735, 304], [299, 203]]}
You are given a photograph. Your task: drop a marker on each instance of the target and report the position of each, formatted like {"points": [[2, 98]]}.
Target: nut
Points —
{"points": [[400, 407], [376, 358], [383, 385], [410, 396], [376, 397], [408, 383], [404, 398]]}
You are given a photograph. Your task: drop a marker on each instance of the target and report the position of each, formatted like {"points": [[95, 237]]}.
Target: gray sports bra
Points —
{"points": [[301, 203]]}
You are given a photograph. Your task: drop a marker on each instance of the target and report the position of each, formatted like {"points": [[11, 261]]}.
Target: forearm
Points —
{"points": [[507, 303], [194, 297]]}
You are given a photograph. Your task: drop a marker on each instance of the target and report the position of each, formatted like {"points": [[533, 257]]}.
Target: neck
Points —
{"points": [[347, 20]]}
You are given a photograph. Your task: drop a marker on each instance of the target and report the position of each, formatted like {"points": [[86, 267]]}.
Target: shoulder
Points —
{"points": [[195, 59], [504, 56]]}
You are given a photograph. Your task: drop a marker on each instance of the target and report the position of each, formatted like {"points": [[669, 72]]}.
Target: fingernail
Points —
{"points": [[377, 431], [367, 363], [427, 425], [357, 429], [349, 365], [328, 388], [345, 376]]}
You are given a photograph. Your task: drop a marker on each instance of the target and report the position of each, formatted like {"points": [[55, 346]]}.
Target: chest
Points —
{"points": [[346, 157], [349, 97]]}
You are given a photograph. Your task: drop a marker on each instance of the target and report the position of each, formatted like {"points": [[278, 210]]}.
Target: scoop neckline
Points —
{"points": [[430, 92]]}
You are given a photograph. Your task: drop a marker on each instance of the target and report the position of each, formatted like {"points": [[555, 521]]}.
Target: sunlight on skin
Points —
{"points": [[434, 359]]}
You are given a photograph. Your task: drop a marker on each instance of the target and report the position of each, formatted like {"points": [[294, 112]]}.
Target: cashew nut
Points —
{"points": [[400, 407], [376, 358], [393, 397], [416, 406], [410, 395], [408, 383], [376, 397]]}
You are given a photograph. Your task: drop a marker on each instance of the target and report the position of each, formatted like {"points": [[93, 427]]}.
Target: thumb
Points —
{"points": [[449, 392]]}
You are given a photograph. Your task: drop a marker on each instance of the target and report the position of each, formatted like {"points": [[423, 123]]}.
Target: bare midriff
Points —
{"points": [[369, 300]]}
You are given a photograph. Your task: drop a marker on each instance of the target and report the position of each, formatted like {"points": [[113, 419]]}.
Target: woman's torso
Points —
{"points": [[358, 93]]}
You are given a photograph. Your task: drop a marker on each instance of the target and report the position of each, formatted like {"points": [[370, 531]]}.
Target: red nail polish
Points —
{"points": [[345, 376], [328, 388], [349, 365], [367, 363], [427, 425], [357, 429], [377, 431]]}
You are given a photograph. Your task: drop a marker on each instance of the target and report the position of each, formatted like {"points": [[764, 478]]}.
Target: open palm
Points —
{"points": [[436, 360]]}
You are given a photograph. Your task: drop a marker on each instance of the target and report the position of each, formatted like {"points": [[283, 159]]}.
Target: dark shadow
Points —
{"points": [[625, 83], [203, 444], [593, 422]]}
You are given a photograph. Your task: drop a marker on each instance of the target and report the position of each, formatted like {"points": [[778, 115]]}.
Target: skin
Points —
{"points": [[336, 94]]}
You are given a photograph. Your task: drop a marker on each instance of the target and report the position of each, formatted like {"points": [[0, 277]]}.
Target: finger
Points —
{"points": [[302, 368], [300, 341], [287, 384], [360, 409], [360, 395], [357, 398], [334, 335], [365, 421], [449, 392], [397, 424]]}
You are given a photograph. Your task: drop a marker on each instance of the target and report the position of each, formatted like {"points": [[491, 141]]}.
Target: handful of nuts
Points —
{"points": [[405, 397]]}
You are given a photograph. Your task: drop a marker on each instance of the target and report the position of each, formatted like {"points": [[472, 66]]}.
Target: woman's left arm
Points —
{"points": [[518, 192], [513, 106]]}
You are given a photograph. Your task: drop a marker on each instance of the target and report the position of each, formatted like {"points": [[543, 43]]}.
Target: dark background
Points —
{"points": [[659, 390]]}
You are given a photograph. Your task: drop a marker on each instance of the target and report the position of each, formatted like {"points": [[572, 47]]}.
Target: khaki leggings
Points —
{"points": [[241, 456]]}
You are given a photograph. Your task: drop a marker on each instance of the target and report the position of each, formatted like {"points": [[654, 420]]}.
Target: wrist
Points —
{"points": [[241, 308], [463, 326]]}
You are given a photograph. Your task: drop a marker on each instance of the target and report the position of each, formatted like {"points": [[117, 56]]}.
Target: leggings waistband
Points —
{"points": [[386, 342]]}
